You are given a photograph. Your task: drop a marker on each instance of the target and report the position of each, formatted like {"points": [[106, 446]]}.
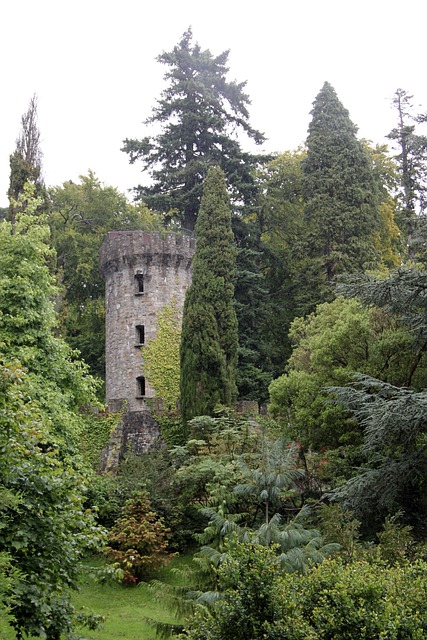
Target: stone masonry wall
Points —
{"points": [[160, 264], [137, 431]]}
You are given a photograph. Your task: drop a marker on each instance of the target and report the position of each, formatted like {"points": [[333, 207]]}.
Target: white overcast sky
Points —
{"points": [[92, 65]]}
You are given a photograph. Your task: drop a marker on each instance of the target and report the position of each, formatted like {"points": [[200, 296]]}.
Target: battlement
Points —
{"points": [[122, 249]]}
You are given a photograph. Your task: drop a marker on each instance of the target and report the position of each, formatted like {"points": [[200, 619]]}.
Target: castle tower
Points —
{"points": [[143, 273]]}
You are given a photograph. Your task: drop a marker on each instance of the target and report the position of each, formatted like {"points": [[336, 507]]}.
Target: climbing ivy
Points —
{"points": [[95, 434], [161, 356]]}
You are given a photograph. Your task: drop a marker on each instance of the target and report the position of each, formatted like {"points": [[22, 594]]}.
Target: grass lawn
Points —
{"points": [[125, 607]]}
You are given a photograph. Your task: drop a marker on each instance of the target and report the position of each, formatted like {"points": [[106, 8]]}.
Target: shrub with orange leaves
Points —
{"points": [[138, 540]]}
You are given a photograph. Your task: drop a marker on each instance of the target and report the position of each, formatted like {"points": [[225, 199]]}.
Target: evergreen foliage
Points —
{"points": [[254, 313], [394, 471], [341, 208], [26, 160], [249, 579], [302, 221], [411, 161], [199, 112], [246, 486], [284, 263], [209, 327], [388, 236], [332, 601], [402, 294], [328, 346], [258, 499], [274, 478]]}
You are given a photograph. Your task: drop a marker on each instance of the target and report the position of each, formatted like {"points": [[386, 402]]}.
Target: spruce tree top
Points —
{"points": [[329, 131], [340, 191], [199, 112]]}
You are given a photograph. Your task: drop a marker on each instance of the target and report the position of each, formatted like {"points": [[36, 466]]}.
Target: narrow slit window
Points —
{"points": [[140, 389], [140, 334], [139, 282]]}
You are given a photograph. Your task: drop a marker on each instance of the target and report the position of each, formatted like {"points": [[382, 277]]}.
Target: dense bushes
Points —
{"points": [[333, 601]]}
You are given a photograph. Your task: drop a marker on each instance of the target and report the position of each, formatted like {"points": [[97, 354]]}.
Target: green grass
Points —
{"points": [[124, 607]]}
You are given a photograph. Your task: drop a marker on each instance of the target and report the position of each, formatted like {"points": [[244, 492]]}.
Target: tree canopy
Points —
{"points": [[347, 413], [199, 112], [329, 345], [81, 215], [394, 470], [45, 528], [411, 161]]}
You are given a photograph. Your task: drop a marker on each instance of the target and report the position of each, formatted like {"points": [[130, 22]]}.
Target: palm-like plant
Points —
{"points": [[266, 486], [274, 477]]}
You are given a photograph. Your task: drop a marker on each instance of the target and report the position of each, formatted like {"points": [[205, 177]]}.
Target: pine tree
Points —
{"points": [[411, 161], [254, 313], [394, 474], [200, 112], [26, 160], [209, 328], [340, 194]]}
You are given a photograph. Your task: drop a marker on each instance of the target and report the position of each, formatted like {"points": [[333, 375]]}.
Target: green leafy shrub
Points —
{"points": [[248, 579], [138, 540], [329, 345], [105, 498], [395, 540], [337, 525], [7, 576], [355, 601], [366, 601], [44, 527]]}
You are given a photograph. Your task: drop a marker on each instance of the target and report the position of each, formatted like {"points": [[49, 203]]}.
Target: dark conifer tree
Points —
{"points": [[209, 327], [254, 311], [411, 161], [199, 112], [393, 476], [339, 190], [26, 160]]}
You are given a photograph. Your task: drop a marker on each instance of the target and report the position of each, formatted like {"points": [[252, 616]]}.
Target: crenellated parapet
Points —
{"points": [[123, 249]]}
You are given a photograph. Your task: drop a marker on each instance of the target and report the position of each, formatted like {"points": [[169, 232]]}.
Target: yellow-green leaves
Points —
{"points": [[161, 356]]}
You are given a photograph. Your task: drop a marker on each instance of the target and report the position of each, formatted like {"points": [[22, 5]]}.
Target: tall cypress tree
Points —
{"points": [[209, 326], [340, 194]]}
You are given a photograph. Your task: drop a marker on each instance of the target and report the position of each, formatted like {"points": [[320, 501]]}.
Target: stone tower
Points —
{"points": [[143, 273]]}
